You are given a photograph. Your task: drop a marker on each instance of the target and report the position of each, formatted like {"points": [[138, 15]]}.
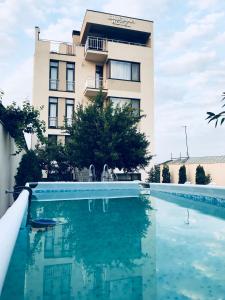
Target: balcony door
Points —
{"points": [[99, 77]]}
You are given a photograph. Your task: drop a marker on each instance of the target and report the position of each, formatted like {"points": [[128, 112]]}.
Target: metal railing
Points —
{"points": [[70, 86], [95, 43], [61, 47], [100, 44], [53, 122], [53, 84], [94, 83]]}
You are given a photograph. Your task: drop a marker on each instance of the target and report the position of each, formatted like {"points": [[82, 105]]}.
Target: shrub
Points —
{"points": [[166, 174], [182, 175], [154, 174], [200, 177], [29, 169]]}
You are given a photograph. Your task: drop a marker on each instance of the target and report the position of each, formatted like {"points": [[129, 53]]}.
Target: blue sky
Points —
{"points": [[189, 60]]}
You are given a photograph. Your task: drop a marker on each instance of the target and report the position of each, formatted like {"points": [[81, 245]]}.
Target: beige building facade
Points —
{"points": [[213, 165], [111, 52]]}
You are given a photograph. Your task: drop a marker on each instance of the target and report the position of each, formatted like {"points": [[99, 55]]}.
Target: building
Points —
{"points": [[213, 165], [111, 52]]}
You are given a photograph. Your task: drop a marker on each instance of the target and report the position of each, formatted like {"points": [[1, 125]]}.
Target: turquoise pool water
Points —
{"points": [[121, 249]]}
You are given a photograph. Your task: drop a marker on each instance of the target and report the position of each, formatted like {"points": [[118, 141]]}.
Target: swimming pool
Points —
{"points": [[157, 247]]}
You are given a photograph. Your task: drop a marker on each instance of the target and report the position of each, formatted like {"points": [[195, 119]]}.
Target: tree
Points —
{"points": [[201, 177], [29, 169], [182, 175], [101, 134], [166, 174], [219, 116], [53, 159], [154, 174], [19, 120]]}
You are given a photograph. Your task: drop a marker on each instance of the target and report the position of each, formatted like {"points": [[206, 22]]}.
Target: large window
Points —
{"points": [[69, 111], [53, 113], [135, 103], [70, 75], [53, 75], [124, 70], [52, 139]]}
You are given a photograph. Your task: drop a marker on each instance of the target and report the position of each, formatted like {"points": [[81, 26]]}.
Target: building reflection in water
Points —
{"points": [[100, 249]]}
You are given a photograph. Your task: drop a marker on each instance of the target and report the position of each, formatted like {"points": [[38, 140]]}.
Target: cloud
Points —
{"points": [[202, 28], [18, 87], [188, 62]]}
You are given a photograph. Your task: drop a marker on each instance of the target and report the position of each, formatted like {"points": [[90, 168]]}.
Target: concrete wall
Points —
{"points": [[216, 171], [8, 167]]}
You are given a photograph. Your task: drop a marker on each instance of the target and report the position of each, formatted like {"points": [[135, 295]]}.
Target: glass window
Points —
{"points": [[124, 70], [53, 112], [52, 139], [120, 102], [70, 67], [135, 72], [53, 75], [69, 111]]}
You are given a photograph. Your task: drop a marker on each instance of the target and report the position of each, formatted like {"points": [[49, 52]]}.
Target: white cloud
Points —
{"points": [[202, 28], [18, 87], [187, 63]]}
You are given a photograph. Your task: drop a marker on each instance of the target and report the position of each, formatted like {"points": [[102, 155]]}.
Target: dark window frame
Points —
{"points": [[49, 105], [127, 98], [55, 136], [50, 67], [68, 104], [69, 68], [125, 61]]}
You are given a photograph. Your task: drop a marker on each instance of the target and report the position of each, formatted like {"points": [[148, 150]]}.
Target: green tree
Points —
{"points": [[102, 134], [182, 175], [166, 174], [217, 117], [19, 120], [54, 160], [29, 169], [154, 174], [201, 177]]}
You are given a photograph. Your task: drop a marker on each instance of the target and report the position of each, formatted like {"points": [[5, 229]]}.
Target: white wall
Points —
{"points": [[8, 167]]}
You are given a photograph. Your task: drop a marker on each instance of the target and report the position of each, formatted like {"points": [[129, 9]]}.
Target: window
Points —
{"points": [[53, 113], [70, 68], [52, 139], [53, 75], [69, 111], [124, 70], [135, 103]]}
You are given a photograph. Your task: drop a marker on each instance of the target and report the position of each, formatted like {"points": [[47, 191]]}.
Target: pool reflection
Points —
{"points": [[100, 249]]}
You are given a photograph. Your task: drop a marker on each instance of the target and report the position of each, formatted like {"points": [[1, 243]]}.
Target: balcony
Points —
{"points": [[54, 84], [96, 49], [93, 86]]}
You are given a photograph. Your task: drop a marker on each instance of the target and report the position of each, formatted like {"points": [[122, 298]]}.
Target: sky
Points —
{"points": [[189, 60]]}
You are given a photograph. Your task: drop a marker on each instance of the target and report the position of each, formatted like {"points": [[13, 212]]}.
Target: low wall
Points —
{"points": [[8, 167], [208, 193]]}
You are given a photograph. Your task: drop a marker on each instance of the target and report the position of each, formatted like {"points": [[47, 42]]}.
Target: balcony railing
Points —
{"points": [[61, 48], [52, 122], [94, 83], [96, 44], [70, 86], [53, 84]]}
